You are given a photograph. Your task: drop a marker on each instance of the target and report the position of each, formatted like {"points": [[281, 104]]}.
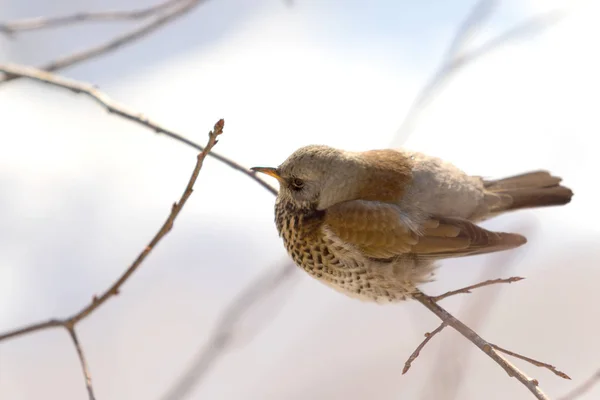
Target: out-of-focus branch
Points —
{"points": [[456, 58], [120, 110], [113, 290], [476, 17], [488, 348], [221, 338], [37, 23], [179, 9], [582, 389]]}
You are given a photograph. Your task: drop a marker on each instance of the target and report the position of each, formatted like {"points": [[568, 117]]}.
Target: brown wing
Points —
{"points": [[380, 230]]}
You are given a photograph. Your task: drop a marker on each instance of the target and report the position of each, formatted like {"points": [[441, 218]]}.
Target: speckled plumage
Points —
{"points": [[372, 224]]}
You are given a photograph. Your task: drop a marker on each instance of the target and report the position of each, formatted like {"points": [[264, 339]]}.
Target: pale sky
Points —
{"points": [[82, 192]]}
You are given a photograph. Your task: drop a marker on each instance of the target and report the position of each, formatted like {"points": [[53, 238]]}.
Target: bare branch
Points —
{"points": [[84, 367], [415, 354], [113, 290], [181, 8], [221, 338], [582, 389], [467, 290], [532, 361], [120, 110], [37, 23], [483, 345], [455, 59]]}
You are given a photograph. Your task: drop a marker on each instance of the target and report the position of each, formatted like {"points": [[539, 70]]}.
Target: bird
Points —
{"points": [[374, 225]]}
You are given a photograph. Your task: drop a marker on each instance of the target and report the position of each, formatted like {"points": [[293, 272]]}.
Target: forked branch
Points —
{"points": [[113, 290], [488, 348], [467, 289]]}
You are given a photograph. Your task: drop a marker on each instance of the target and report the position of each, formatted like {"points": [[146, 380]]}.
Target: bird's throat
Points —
{"points": [[302, 221]]}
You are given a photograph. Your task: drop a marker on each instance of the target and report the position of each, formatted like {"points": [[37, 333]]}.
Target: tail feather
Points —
{"points": [[535, 179], [529, 190]]}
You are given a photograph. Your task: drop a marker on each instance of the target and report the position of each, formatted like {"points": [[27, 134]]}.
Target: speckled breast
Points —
{"points": [[305, 243]]}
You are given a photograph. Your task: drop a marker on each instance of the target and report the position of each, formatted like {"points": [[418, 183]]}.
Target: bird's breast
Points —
{"points": [[300, 231], [317, 254]]}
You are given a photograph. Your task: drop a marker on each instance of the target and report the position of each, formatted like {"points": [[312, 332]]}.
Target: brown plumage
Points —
{"points": [[372, 224]]}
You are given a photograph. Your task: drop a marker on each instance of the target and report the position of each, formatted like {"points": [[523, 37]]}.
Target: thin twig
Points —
{"points": [[532, 361], [167, 16], [467, 290], [455, 59], [415, 354], [84, 367], [221, 338], [37, 23], [113, 290], [120, 110], [483, 345], [582, 389]]}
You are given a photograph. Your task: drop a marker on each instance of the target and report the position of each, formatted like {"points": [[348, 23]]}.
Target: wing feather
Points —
{"points": [[381, 230]]}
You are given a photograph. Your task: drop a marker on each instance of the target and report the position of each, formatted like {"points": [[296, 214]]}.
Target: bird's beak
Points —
{"points": [[269, 171]]}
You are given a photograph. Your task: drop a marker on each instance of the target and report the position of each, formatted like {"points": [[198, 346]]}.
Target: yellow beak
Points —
{"points": [[269, 171]]}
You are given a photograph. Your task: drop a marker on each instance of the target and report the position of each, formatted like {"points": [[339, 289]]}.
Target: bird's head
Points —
{"points": [[315, 177]]}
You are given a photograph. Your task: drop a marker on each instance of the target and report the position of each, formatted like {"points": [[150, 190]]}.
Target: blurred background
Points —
{"points": [[83, 191]]}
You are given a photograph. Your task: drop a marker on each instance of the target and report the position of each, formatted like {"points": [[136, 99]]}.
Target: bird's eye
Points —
{"points": [[297, 184]]}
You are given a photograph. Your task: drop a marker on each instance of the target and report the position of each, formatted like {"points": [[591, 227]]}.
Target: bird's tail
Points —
{"points": [[529, 190]]}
